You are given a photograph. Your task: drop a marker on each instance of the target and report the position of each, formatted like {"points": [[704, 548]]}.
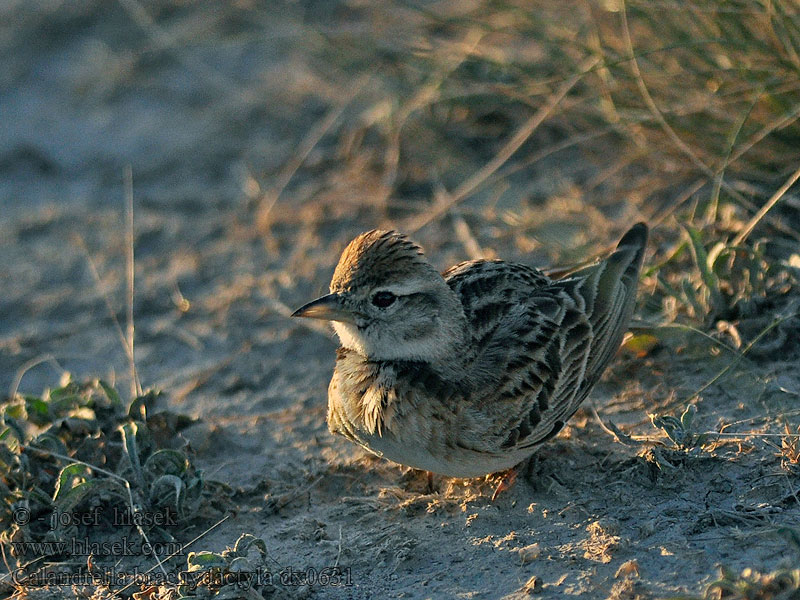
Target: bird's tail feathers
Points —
{"points": [[623, 266], [610, 294]]}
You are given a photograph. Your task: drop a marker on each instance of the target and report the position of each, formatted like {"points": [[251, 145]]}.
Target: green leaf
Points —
{"points": [[669, 289], [202, 561], [15, 428], [15, 410], [641, 344], [240, 564], [141, 405], [66, 391], [171, 483], [674, 255], [165, 462], [38, 411], [49, 442], [701, 260], [717, 252], [66, 398], [37, 494], [671, 426], [688, 416], [68, 477], [9, 440], [131, 449], [690, 296], [67, 501], [111, 394], [247, 541]]}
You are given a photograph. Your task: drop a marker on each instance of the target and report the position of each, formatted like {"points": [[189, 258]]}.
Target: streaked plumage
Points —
{"points": [[466, 372]]}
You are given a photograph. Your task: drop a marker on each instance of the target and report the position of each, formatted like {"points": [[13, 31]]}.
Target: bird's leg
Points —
{"points": [[430, 482], [509, 477], [531, 466]]}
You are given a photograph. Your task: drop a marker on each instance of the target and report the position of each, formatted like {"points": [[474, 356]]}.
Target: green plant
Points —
{"points": [[76, 450], [228, 573], [681, 431], [783, 584]]}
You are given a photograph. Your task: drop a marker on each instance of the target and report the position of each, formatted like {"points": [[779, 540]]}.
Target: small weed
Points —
{"points": [[723, 283], [681, 431], [74, 456], [750, 584], [783, 584], [224, 573], [246, 570]]}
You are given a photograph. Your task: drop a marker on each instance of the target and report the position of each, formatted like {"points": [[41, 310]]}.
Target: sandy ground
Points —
{"points": [[210, 109]]}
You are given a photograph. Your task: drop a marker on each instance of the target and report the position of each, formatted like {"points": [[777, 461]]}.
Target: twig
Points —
{"points": [[339, 553], [670, 132], [658, 218], [573, 140], [728, 367], [523, 133], [462, 230], [792, 492], [747, 434], [12, 572], [164, 40], [12, 392], [99, 283], [199, 378], [307, 144], [614, 431], [683, 327], [711, 213], [742, 235], [779, 123], [136, 387], [464, 235], [276, 504], [425, 95]]}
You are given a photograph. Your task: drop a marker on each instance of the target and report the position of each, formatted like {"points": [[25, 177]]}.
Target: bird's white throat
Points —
{"points": [[440, 345]]}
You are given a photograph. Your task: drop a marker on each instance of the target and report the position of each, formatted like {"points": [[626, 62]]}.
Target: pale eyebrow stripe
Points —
{"points": [[407, 289]]}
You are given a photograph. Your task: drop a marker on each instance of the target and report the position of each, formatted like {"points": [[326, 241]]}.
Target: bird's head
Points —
{"points": [[387, 302]]}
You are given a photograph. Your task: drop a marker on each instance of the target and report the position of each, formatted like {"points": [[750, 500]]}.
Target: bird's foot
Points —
{"points": [[506, 482]]}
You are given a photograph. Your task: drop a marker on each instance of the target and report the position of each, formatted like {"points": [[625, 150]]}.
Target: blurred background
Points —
{"points": [[262, 136]]}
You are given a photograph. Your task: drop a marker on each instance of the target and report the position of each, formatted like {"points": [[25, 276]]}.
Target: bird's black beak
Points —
{"points": [[327, 308]]}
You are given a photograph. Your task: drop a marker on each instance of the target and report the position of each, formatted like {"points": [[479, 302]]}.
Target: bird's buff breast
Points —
{"points": [[367, 406]]}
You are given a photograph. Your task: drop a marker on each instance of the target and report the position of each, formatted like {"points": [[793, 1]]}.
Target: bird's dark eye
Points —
{"points": [[383, 299]]}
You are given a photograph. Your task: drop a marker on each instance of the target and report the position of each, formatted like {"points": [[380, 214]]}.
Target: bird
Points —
{"points": [[466, 373]]}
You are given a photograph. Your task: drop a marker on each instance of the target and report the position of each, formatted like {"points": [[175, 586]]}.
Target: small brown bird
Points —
{"points": [[465, 373]]}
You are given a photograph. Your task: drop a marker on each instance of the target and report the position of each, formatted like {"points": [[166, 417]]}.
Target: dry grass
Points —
{"points": [[502, 126]]}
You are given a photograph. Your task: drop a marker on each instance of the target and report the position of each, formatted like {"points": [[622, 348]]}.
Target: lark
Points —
{"points": [[465, 373]]}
